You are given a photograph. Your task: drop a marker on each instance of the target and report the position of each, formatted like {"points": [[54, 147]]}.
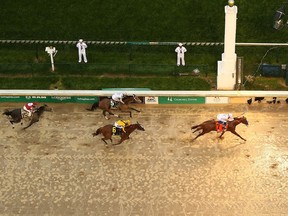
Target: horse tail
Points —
{"points": [[7, 112], [98, 131], [94, 106]]}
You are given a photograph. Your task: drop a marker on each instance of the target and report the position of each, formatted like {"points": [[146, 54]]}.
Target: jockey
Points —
{"points": [[29, 108], [118, 97], [121, 124], [224, 117]]}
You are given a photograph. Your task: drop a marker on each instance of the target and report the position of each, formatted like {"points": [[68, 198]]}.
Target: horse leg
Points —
{"points": [[106, 144], [127, 111], [221, 134], [134, 109], [123, 138], [110, 113], [12, 123], [104, 114], [113, 114], [202, 133], [199, 128], [234, 132], [104, 141]]}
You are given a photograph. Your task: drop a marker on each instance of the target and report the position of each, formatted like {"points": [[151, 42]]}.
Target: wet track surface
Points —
{"points": [[56, 167]]}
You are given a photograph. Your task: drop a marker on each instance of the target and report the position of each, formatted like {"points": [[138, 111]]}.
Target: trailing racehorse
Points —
{"points": [[37, 114], [106, 105], [18, 114], [211, 125], [108, 130]]}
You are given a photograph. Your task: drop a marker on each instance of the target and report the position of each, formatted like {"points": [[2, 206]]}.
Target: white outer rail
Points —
{"points": [[144, 93]]}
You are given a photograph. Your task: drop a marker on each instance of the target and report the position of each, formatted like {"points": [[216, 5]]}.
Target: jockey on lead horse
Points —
{"points": [[222, 120]]}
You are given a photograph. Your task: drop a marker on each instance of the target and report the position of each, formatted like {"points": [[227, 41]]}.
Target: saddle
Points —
{"points": [[117, 131], [24, 114], [113, 103], [220, 127]]}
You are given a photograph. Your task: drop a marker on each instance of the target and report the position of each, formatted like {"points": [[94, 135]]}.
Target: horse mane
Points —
{"points": [[41, 109], [129, 126], [128, 97], [239, 118]]}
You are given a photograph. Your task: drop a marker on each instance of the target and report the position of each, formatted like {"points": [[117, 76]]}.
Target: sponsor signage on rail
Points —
{"points": [[151, 100], [217, 100], [181, 100], [50, 99]]}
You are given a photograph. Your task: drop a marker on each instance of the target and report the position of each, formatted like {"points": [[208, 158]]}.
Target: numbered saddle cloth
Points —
{"points": [[116, 131]]}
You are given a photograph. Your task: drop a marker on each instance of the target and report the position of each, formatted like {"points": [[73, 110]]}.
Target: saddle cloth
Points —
{"points": [[24, 113], [116, 131], [220, 127], [113, 103]]}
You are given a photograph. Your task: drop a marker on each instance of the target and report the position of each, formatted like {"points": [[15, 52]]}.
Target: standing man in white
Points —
{"points": [[82, 50], [180, 50]]}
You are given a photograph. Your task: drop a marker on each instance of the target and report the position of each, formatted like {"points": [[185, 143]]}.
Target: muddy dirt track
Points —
{"points": [[56, 167]]}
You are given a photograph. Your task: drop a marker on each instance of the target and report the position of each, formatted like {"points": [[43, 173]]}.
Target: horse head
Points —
{"points": [[139, 127], [132, 98], [243, 120], [136, 99], [43, 108]]}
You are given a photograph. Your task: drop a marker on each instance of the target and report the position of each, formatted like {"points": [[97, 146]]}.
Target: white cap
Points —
{"points": [[80, 40], [180, 44]]}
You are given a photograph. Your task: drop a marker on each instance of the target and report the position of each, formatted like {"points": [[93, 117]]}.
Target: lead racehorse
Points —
{"points": [[211, 125]]}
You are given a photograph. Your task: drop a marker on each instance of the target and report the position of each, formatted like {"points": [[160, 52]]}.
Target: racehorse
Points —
{"points": [[107, 132], [105, 105], [17, 115], [210, 125]]}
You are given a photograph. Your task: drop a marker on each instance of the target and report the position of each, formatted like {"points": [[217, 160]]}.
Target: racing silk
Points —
{"points": [[121, 124], [118, 97], [29, 106], [224, 117]]}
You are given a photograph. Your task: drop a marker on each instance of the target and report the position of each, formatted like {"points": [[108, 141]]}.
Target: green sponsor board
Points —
{"points": [[12, 99], [181, 100], [86, 99], [50, 99]]}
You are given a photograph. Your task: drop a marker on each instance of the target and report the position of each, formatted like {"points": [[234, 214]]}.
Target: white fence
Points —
{"points": [[144, 93]]}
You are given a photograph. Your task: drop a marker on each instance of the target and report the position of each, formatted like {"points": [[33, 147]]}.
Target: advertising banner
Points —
{"points": [[181, 100], [151, 100], [50, 99], [217, 100]]}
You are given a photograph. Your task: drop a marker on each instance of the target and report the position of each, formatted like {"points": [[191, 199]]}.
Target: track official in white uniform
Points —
{"points": [[180, 50], [82, 50]]}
